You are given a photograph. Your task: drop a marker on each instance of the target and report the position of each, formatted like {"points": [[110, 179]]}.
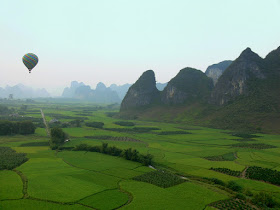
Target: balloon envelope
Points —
{"points": [[30, 60]]}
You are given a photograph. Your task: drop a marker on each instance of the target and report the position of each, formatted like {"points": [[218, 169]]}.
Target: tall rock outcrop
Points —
{"points": [[216, 70], [69, 92], [102, 94], [188, 85], [120, 89], [142, 93], [236, 78]]}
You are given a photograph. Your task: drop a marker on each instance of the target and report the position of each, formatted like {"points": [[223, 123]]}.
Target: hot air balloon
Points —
{"points": [[30, 60]]}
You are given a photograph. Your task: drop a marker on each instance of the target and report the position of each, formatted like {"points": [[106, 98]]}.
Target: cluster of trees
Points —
{"points": [[128, 154], [231, 184], [234, 186], [124, 123], [9, 159], [265, 200], [58, 137], [11, 127], [215, 181], [4, 110], [95, 124], [227, 171], [261, 199], [264, 174], [160, 178], [72, 123]]}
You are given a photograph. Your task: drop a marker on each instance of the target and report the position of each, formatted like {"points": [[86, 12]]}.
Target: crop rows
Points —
{"points": [[227, 171], [232, 204], [173, 132], [253, 146], [133, 130], [113, 138], [245, 135], [263, 174], [225, 157], [160, 178]]}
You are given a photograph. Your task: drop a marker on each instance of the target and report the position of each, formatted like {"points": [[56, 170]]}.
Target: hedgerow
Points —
{"points": [[128, 154]]}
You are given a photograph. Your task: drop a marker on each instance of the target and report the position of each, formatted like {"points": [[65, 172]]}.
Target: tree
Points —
{"points": [[58, 136], [26, 127]]}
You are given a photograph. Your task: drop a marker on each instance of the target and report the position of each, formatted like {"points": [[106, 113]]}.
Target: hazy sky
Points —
{"points": [[114, 41]]}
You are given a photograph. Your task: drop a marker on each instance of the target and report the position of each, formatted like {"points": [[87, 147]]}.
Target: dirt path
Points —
{"points": [[45, 122], [243, 174]]}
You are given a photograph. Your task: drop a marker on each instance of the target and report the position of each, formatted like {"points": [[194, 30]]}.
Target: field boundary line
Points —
{"points": [[130, 196], [89, 169], [24, 183]]}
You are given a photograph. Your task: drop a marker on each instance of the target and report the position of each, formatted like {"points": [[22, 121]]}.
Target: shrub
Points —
{"points": [[240, 196], [264, 200], [216, 181], [234, 186]]}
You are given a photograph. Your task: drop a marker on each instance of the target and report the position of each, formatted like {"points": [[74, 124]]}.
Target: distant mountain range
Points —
{"points": [[20, 91], [101, 94], [240, 94]]}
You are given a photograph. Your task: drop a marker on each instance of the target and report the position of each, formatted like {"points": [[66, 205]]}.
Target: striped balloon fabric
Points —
{"points": [[30, 60]]}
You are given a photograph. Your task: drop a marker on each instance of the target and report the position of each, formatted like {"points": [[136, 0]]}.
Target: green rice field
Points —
{"points": [[66, 179]]}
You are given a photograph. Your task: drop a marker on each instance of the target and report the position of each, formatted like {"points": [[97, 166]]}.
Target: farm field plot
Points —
{"points": [[147, 196], [27, 204], [11, 185], [66, 179]]}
